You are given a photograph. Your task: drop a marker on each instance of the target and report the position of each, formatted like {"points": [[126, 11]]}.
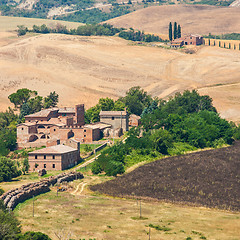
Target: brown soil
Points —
{"points": [[208, 178], [201, 19]]}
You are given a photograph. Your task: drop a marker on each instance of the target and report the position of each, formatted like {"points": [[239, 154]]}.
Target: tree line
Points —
{"points": [[175, 32], [92, 30], [182, 123]]}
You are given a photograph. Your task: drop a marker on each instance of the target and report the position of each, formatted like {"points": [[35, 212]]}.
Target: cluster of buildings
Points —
{"points": [[62, 130], [192, 39]]}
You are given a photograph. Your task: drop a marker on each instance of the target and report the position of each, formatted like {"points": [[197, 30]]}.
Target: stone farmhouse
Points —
{"points": [[55, 126], [58, 157], [117, 119], [192, 39]]}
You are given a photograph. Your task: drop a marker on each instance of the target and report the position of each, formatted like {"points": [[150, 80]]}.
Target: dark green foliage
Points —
{"points": [[136, 100], [1, 193], [51, 100], [139, 36], [160, 228], [111, 160], [22, 30], [33, 236], [9, 225], [94, 16], [236, 133], [170, 32], [8, 169], [175, 31], [21, 96], [8, 136], [215, 2], [25, 166], [179, 33], [227, 36], [104, 104]]}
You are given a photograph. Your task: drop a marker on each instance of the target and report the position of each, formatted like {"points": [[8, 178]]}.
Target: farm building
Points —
{"points": [[134, 120], [187, 40], [58, 157], [117, 119], [54, 126]]}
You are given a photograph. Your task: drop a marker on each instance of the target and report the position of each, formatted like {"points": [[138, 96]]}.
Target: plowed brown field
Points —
{"points": [[208, 178]]}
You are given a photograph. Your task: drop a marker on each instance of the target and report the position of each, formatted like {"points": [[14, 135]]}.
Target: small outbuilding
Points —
{"points": [[57, 157]]}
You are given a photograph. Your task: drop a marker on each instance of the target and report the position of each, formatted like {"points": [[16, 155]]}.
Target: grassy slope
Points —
{"points": [[209, 178], [10, 23], [87, 215], [192, 18]]}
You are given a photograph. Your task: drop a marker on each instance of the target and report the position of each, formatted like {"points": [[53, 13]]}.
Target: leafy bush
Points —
{"points": [[8, 169], [33, 236]]}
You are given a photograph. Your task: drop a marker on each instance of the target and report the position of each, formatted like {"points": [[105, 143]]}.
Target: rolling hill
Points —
{"points": [[83, 69], [201, 19], [213, 180]]}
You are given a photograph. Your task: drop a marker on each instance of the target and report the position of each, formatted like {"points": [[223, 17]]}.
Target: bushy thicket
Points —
{"points": [[184, 123], [8, 169], [85, 30], [227, 36], [139, 36]]}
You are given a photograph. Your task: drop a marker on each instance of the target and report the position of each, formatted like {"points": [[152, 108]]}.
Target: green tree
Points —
{"points": [[51, 100], [9, 225], [179, 33], [21, 96], [8, 169], [22, 30], [136, 100], [175, 31], [33, 236], [170, 32], [25, 166]]}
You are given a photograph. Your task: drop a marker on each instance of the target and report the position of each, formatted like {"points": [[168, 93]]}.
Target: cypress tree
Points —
{"points": [[209, 42], [175, 31], [170, 31], [214, 44], [179, 34], [229, 46], [224, 45], [219, 44]]}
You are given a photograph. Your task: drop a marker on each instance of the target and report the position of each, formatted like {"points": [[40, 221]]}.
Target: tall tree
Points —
{"points": [[170, 31], [51, 100], [175, 31], [179, 34]]}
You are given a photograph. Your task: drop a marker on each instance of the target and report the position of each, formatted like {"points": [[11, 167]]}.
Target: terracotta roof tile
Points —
{"points": [[58, 149]]}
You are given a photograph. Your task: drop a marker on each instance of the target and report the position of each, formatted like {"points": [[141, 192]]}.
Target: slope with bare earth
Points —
{"points": [[209, 178], [201, 19], [83, 69]]}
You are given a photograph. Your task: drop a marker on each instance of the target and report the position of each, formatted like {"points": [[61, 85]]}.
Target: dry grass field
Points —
{"points": [[85, 215], [10, 23], [83, 69], [201, 19]]}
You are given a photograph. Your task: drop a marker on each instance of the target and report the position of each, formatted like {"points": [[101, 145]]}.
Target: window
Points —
{"points": [[35, 156], [112, 118], [84, 135], [54, 129], [58, 142], [45, 165], [44, 156], [53, 166], [53, 156], [85, 130], [22, 128]]}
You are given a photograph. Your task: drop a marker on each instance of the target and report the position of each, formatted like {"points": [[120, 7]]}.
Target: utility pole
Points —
{"points": [[33, 205], [140, 209]]}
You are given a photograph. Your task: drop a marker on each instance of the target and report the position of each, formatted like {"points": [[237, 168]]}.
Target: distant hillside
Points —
{"points": [[11, 23], [193, 19], [87, 11], [209, 178]]}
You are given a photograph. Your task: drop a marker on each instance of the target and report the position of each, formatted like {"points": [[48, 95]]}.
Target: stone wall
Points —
{"points": [[15, 196]]}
